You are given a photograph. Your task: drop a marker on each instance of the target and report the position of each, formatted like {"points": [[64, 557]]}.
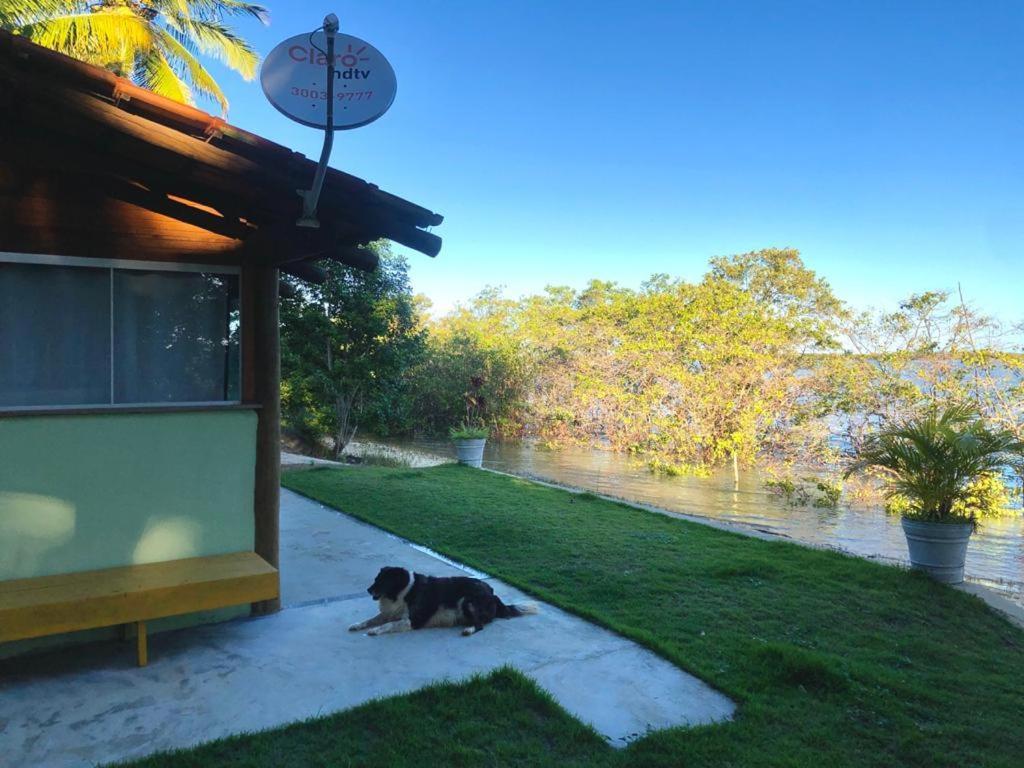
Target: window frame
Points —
{"points": [[7, 257]]}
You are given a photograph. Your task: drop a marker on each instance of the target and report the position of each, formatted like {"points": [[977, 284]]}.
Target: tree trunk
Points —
{"points": [[344, 406]]}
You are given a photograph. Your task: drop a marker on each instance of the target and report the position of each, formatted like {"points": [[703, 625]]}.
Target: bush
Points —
{"points": [[798, 493], [347, 346], [830, 492], [986, 496], [468, 433], [454, 356], [942, 464]]}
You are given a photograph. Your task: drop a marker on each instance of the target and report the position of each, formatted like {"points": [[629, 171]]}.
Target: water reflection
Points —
{"points": [[995, 556]]}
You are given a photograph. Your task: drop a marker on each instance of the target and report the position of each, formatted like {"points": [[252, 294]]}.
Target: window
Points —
{"points": [[88, 335], [54, 335]]}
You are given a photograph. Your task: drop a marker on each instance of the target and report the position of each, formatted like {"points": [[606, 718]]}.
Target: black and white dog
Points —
{"points": [[414, 601]]}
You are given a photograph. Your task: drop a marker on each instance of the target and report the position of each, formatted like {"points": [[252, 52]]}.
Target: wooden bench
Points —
{"points": [[49, 605]]}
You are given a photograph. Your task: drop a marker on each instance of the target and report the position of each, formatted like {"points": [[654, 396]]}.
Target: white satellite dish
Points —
{"points": [[327, 80], [294, 79]]}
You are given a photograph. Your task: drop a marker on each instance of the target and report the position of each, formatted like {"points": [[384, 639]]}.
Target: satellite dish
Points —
{"points": [[327, 80], [294, 79]]}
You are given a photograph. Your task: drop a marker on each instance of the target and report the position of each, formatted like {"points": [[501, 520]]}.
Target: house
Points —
{"points": [[141, 244]]}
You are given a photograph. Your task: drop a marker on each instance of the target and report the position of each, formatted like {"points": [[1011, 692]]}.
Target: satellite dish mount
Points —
{"points": [[360, 87], [311, 197]]}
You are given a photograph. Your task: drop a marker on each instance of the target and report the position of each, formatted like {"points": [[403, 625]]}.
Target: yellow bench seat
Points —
{"points": [[49, 605]]}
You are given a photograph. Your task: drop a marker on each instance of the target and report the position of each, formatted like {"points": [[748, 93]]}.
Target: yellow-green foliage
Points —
{"points": [[755, 360], [986, 497], [659, 467], [155, 44], [686, 374], [823, 493]]}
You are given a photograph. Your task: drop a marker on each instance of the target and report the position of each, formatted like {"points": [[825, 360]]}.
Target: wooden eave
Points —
{"points": [[184, 163]]}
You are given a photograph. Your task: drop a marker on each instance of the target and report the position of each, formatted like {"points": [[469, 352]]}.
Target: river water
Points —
{"points": [[995, 556]]}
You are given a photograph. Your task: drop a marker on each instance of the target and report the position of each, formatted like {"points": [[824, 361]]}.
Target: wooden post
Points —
{"points": [[266, 387], [141, 651]]}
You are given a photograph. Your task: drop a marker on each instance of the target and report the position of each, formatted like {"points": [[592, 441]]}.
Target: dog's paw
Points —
{"points": [[374, 632], [468, 631], [356, 627]]}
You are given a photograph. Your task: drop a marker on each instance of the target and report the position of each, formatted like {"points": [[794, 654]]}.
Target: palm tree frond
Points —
{"points": [[157, 74], [156, 42], [191, 69], [14, 14], [210, 10], [109, 38], [215, 39], [932, 460], [174, 8]]}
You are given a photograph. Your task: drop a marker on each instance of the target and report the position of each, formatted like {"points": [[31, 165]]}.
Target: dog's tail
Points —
{"points": [[512, 611]]}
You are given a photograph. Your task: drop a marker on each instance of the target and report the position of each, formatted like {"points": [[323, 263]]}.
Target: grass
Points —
{"points": [[833, 660], [439, 725]]}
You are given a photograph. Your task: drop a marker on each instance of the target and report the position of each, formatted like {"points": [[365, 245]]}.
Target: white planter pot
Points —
{"points": [[938, 549], [470, 452]]}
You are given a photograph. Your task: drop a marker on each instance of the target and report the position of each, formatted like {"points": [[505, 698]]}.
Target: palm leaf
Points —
{"points": [[215, 39], [190, 69], [217, 9], [109, 37], [932, 460], [14, 14], [156, 73], [156, 42]]}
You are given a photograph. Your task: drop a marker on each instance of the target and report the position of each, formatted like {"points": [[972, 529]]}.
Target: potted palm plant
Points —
{"points": [[930, 463], [470, 436]]}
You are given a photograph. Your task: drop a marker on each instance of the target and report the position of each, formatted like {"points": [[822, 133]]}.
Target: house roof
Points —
{"points": [[183, 162]]}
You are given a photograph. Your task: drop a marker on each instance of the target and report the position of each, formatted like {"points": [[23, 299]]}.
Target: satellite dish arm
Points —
{"points": [[311, 197]]}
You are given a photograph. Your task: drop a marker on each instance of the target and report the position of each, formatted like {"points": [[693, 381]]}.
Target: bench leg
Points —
{"points": [[140, 643]]}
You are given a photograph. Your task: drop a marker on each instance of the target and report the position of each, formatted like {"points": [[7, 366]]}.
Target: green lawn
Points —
{"points": [[833, 660], [501, 719]]}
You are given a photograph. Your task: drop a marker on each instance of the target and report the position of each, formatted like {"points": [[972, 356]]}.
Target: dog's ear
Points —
{"points": [[397, 580]]}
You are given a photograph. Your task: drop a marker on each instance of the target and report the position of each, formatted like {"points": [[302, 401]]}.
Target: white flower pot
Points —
{"points": [[938, 549], [470, 452]]}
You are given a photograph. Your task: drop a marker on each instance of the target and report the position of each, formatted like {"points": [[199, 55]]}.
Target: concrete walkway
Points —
{"points": [[92, 705]]}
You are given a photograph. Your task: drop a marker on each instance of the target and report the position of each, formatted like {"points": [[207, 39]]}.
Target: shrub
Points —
{"points": [[940, 463], [830, 492], [798, 493], [986, 497], [466, 432]]}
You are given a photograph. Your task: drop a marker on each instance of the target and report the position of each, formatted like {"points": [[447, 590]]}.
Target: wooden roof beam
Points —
{"points": [[152, 200], [216, 182], [119, 136], [304, 270]]}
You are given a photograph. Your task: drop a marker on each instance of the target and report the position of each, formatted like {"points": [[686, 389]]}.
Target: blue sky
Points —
{"points": [[569, 140]]}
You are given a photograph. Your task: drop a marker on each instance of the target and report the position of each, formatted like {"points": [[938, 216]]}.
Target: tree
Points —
{"points": [[346, 348], [778, 280], [154, 43], [934, 351], [758, 362], [685, 374], [472, 343]]}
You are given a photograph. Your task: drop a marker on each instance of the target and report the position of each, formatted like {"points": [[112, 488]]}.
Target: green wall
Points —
{"points": [[98, 491]]}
